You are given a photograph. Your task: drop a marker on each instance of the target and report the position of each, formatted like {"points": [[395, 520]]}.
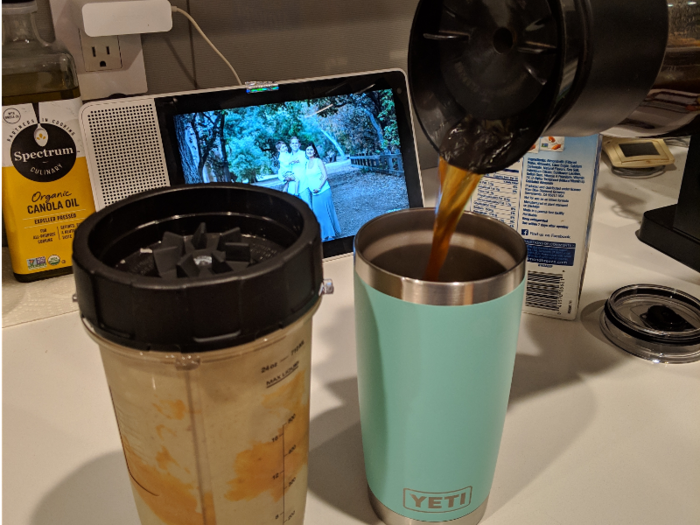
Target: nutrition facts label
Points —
{"points": [[547, 197], [498, 195]]}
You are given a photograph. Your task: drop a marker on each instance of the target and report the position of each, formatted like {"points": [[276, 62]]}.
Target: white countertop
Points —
{"points": [[592, 435]]}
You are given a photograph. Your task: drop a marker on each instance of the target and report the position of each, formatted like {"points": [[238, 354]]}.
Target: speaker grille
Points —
{"points": [[127, 150]]}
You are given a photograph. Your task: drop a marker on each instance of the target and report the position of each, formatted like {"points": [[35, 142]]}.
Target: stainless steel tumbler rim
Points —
{"points": [[390, 517], [476, 232]]}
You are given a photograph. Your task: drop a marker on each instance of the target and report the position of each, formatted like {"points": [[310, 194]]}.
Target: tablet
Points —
{"points": [[344, 145]]}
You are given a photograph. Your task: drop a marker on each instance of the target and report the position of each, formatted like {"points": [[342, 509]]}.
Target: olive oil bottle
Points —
{"points": [[46, 189]]}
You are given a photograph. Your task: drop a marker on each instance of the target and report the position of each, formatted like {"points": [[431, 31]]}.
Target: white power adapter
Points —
{"points": [[122, 17]]}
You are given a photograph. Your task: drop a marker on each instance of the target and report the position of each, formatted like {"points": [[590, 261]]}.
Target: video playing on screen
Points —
{"points": [[340, 154]]}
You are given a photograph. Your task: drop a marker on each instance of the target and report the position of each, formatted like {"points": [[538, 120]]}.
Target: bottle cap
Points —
{"points": [[653, 322], [197, 267]]}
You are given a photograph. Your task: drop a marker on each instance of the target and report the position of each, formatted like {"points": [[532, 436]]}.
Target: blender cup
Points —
{"points": [[201, 300], [435, 362]]}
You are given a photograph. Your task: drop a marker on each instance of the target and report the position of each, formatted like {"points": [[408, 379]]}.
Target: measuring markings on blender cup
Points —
{"points": [[287, 448], [282, 474], [286, 485], [288, 372]]}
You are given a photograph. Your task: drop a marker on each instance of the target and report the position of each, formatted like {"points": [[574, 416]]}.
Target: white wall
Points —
{"points": [[276, 40]]}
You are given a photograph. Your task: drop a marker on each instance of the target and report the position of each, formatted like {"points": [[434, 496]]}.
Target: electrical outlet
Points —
{"points": [[129, 78], [100, 53]]}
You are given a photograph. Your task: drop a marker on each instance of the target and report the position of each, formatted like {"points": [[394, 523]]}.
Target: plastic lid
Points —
{"points": [[198, 267], [654, 322]]}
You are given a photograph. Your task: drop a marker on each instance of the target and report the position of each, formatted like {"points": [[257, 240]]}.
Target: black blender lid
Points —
{"points": [[653, 322], [484, 77], [197, 267]]}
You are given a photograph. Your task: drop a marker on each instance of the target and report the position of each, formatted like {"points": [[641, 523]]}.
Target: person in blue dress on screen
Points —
{"points": [[321, 195], [297, 165]]}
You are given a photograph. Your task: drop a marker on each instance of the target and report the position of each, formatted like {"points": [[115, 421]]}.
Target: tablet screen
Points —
{"points": [[343, 154]]}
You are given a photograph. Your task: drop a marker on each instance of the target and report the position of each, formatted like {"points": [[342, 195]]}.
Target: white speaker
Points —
{"points": [[127, 155]]}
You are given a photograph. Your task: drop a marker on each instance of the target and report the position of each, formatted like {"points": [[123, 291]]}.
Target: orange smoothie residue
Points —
{"points": [[171, 409], [160, 428], [272, 465], [163, 458], [169, 498]]}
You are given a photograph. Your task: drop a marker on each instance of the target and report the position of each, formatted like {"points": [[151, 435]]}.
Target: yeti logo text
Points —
{"points": [[437, 501]]}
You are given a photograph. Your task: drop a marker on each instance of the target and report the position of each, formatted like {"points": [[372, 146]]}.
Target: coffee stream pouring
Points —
{"points": [[489, 77]]}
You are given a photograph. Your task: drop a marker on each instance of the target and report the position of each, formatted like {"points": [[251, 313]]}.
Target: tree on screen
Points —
{"points": [[225, 166], [364, 123], [201, 139], [245, 152], [188, 148]]}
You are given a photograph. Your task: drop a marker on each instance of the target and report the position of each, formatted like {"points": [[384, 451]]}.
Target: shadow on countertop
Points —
{"points": [[336, 466], [564, 359], [99, 492]]}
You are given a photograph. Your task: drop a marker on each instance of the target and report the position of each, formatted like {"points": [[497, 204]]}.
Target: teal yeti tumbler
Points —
{"points": [[435, 363]]}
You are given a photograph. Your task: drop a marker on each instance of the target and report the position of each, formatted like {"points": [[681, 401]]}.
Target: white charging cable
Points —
{"points": [[196, 26]]}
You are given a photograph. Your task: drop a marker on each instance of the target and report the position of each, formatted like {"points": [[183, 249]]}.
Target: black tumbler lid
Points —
{"points": [[197, 267], [654, 322]]}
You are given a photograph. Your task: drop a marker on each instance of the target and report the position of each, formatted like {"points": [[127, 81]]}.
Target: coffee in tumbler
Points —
{"points": [[435, 362]]}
